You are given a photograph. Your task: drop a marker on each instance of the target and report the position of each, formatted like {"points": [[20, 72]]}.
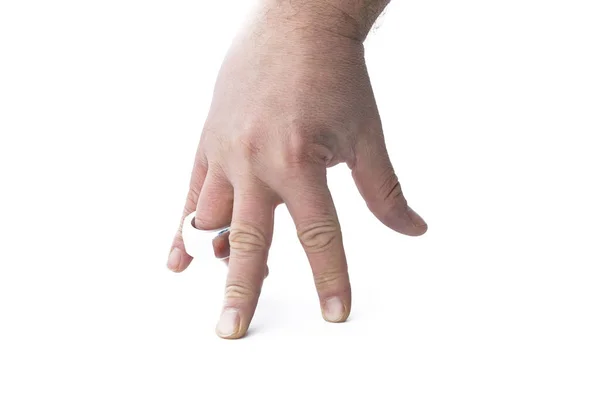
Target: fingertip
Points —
{"points": [[419, 226], [229, 325], [178, 260], [405, 221], [334, 310], [415, 232]]}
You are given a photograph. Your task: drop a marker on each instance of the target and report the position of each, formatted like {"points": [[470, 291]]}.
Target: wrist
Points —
{"points": [[348, 18]]}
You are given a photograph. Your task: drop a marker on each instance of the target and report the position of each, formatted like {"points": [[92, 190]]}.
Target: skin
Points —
{"points": [[293, 98]]}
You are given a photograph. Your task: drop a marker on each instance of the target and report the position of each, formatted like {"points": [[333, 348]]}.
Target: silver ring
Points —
{"points": [[205, 243]]}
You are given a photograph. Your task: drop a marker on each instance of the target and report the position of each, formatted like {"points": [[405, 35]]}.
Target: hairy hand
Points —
{"points": [[290, 101]]}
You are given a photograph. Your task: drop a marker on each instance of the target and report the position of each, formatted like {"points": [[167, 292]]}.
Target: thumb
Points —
{"points": [[379, 186]]}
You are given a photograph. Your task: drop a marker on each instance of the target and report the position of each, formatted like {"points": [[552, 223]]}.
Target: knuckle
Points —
{"points": [[319, 236], [251, 143], [240, 290], [247, 239], [297, 147], [390, 191], [305, 144]]}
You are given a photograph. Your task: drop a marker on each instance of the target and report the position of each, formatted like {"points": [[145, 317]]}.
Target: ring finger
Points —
{"points": [[214, 209]]}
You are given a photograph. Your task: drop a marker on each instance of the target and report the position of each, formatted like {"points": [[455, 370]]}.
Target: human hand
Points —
{"points": [[292, 99]]}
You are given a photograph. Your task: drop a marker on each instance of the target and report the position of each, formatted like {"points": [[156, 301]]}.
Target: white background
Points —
{"points": [[492, 115]]}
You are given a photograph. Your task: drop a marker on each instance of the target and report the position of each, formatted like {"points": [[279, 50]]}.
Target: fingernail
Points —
{"points": [[174, 259], [229, 323], [416, 218], [334, 310]]}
